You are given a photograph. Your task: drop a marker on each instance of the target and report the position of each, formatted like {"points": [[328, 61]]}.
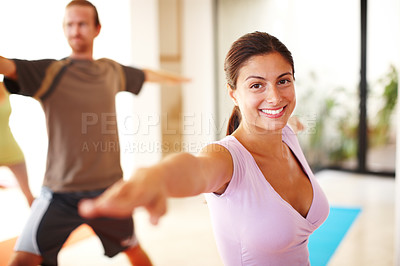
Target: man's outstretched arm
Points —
{"points": [[159, 76], [8, 68]]}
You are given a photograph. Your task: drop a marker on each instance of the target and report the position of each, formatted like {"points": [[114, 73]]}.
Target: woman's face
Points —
{"points": [[265, 93]]}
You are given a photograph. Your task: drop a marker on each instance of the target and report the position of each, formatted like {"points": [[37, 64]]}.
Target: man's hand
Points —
{"points": [[164, 77]]}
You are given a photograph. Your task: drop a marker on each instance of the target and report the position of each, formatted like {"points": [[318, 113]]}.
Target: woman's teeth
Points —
{"points": [[272, 112]]}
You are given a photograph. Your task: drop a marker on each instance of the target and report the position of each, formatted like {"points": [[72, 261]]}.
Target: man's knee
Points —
{"points": [[137, 256], [20, 258]]}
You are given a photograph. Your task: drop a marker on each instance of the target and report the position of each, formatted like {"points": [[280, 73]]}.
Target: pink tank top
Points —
{"points": [[252, 224]]}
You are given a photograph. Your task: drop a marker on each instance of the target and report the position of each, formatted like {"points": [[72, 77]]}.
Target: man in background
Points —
{"points": [[69, 90]]}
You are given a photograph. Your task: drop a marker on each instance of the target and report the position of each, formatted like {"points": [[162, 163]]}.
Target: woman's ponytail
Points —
{"points": [[234, 120]]}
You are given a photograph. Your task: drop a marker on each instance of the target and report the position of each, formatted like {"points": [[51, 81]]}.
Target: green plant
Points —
{"points": [[380, 130], [334, 139]]}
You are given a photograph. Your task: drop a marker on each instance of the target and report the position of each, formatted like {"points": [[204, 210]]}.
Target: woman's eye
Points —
{"points": [[284, 81], [256, 86]]}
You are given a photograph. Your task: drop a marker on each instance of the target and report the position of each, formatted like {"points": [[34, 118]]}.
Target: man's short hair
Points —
{"points": [[89, 4]]}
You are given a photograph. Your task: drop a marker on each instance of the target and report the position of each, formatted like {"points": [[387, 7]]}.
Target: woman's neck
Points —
{"points": [[268, 143]]}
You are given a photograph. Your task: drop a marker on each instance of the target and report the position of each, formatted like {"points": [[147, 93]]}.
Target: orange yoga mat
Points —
{"points": [[80, 233]]}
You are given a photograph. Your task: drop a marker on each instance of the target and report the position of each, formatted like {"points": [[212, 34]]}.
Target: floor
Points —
{"points": [[184, 236], [370, 240]]}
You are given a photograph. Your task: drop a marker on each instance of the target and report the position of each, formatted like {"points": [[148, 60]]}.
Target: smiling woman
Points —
{"points": [[263, 198], [265, 81]]}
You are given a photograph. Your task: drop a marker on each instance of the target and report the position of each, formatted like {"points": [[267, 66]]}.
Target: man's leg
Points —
{"points": [[20, 258], [26, 250], [48, 226], [117, 235], [137, 256]]}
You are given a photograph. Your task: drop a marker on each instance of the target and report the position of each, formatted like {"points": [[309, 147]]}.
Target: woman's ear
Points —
{"points": [[232, 94]]}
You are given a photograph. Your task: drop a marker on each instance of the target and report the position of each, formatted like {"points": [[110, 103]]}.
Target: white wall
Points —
{"points": [[199, 125], [143, 112]]}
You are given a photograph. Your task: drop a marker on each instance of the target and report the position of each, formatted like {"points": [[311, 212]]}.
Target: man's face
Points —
{"points": [[79, 28]]}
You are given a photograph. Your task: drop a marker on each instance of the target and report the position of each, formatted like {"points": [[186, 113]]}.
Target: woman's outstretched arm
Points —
{"points": [[179, 175]]}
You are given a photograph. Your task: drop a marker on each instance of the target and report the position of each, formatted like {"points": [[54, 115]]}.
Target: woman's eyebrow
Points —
{"points": [[254, 77], [259, 77], [284, 74]]}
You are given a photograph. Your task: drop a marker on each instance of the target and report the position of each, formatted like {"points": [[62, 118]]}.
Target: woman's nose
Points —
{"points": [[272, 95]]}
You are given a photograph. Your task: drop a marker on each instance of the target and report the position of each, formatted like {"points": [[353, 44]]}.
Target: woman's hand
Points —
{"points": [[145, 188]]}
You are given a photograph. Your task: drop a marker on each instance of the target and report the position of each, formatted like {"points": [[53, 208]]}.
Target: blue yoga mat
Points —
{"points": [[325, 240]]}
